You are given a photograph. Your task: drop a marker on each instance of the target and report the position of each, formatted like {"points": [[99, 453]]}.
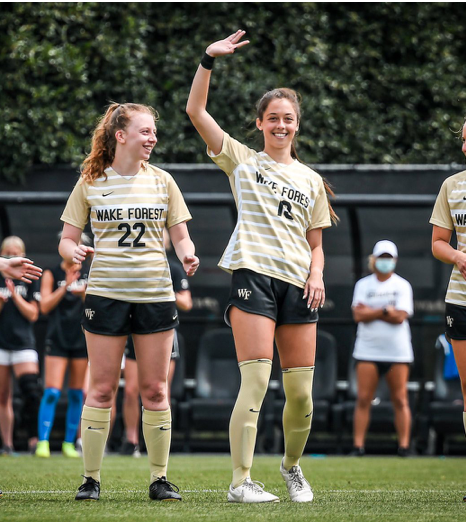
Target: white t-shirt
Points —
{"points": [[379, 340]]}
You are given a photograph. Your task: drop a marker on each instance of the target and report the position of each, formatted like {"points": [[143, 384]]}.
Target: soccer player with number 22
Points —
{"points": [[130, 291]]}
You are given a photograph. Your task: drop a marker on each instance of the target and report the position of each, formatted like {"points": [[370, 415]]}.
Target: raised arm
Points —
{"points": [[209, 130]]}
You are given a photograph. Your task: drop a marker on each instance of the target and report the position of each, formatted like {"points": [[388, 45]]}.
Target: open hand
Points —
{"points": [[21, 268], [314, 291], [228, 45]]}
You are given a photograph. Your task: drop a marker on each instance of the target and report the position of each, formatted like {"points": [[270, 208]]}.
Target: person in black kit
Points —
{"points": [[62, 299], [19, 309], [184, 302], [131, 405]]}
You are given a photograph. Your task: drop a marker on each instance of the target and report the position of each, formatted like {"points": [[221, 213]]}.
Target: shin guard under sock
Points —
{"points": [[297, 413], [95, 425], [255, 377]]}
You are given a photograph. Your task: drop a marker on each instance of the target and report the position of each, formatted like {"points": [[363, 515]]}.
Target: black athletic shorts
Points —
{"points": [[56, 351], [105, 316], [263, 295], [130, 353], [455, 322], [383, 367]]}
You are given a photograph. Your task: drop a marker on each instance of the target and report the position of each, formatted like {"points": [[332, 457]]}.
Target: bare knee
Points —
{"points": [[155, 392], [4, 398], [131, 392], [364, 401], [400, 402], [102, 394], [463, 389]]}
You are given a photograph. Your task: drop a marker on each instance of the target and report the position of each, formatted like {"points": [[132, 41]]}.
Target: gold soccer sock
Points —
{"points": [[95, 425], [255, 377], [156, 427], [297, 413]]}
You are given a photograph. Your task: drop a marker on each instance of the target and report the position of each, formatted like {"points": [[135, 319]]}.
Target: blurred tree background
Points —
{"points": [[380, 82]]}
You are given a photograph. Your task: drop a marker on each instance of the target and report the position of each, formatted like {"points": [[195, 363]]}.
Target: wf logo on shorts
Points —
{"points": [[449, 321], [244, 293], [89, 313]]}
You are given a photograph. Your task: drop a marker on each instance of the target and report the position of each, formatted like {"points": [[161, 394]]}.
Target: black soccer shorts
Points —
{"points": [[263, 295], [106, 316], [455, 322]]}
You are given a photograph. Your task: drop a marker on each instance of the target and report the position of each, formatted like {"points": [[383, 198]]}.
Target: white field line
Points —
{"points": [[111, 491]]}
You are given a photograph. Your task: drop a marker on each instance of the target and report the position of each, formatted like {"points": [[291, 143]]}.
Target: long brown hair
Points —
{"points": [[295, 99], [117, 117]]}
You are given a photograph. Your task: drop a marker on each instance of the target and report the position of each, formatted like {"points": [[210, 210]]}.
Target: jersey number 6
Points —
{"points": [[285, 208]]}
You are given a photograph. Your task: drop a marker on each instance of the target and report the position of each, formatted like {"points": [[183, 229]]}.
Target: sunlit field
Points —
{"points": [[346, 489]]}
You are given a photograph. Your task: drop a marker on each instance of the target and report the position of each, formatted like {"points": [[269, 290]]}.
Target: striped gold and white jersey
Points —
{"points": [[277, 204], [450, 213], [128, 215]]}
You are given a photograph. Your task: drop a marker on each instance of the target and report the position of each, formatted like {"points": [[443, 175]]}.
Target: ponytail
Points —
{"points": [[330, 194], [117, 117], [328, 188]]}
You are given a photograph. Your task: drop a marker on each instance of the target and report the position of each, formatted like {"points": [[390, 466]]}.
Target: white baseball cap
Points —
{"points": [[385, 247]]}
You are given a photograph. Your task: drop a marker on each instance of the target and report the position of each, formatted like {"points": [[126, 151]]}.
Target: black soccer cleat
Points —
{"points": [[1, 493], [357, 452], [128, 448], [403, 452], [161, 489], [90, 490]]}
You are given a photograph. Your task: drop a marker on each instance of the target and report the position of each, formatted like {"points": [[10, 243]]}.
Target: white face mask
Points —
{"points": [[385, 265]]}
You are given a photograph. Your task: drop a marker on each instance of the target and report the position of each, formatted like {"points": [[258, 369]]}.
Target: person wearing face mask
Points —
{"points": [[382, 303]]}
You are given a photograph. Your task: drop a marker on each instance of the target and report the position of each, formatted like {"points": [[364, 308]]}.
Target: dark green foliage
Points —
{"points": [[380, 82]]}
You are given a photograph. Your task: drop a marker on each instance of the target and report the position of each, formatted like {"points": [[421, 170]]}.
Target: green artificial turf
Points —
{"points": [[372, 489]]}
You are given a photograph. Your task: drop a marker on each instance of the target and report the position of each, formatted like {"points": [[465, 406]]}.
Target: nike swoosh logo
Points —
{"points": [[91, 428], [308, 415], [165, 429], [254, 411], [464, 198], [108, 194], [174, 318]]}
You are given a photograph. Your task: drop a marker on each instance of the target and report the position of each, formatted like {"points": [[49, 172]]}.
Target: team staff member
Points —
{"points": [[131, 410], [62, 299], [275, 255], [382, 303], [19, 309], [129, 202], [450, 214]]}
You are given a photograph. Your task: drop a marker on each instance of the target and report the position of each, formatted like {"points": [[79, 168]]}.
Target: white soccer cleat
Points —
{"points": [[298, 487], [250, 492]]}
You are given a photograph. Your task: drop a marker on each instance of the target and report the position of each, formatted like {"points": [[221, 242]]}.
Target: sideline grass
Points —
{"points": [[346, 489]]}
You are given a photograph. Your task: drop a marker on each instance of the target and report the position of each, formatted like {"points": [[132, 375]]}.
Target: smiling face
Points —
{"points": [[139, 137], [279, 124]]}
